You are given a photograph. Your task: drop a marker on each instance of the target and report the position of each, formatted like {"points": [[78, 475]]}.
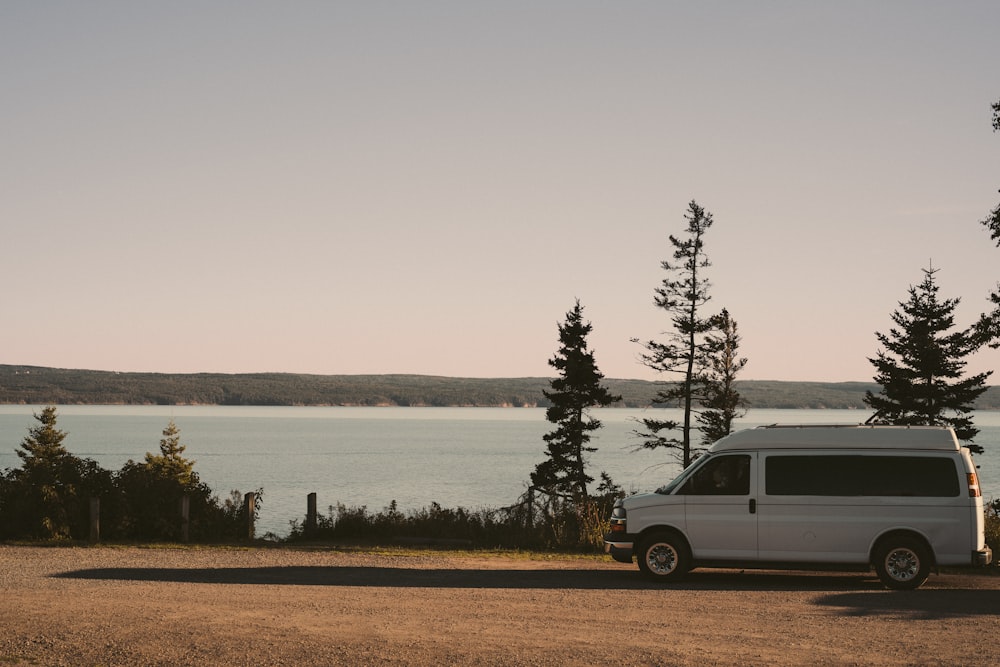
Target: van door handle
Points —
{"points": [[753, 506]]}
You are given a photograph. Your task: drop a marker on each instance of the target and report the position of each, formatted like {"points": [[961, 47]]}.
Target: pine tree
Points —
{"points": [[683, 295], [921, 366], [43, 448], [170, 463], [46, 480], [992, 222], [989, 325], [721, 402], [576, 390]]}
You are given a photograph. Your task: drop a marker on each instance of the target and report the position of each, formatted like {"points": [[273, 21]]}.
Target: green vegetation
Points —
{"points": [[722, 404], [170, 463], [992, 221], [992, 530], [559, 527], [921, 367], [578, 388], [434, 525], [559, 483], [48, 497], [37, 385], [991, 322]]}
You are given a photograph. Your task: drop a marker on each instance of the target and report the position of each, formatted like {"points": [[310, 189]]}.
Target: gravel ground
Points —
{"points": [[277, 606]]}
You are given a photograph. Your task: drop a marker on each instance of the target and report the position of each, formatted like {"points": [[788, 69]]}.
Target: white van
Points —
{"points": [[901, 499]]}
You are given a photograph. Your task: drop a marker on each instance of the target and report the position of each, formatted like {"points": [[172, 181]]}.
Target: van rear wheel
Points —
{"points": [[664, 556], [902, 563]]}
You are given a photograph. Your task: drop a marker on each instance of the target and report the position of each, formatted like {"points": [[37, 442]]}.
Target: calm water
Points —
{"points": [[468, 457]]}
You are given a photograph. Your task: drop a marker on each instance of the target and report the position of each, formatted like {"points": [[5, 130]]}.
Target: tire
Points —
{"points": [[663, 556], [902, 563]]}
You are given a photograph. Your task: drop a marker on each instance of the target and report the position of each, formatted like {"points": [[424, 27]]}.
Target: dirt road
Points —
{"points": [[118, 606]]}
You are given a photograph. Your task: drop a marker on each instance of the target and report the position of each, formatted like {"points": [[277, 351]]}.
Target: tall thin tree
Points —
{"points": [[922, 364], [683, 295], [992, 222], [577, 389], [990, 324]]}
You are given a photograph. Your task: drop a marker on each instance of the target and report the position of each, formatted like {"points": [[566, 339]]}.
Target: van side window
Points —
{"points": [[721, 476], [853, 475]]}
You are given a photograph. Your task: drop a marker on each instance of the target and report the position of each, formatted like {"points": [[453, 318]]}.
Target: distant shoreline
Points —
{"points": [[43, 385]]}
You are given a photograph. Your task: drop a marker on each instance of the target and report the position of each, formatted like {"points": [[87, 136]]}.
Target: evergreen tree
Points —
{"points": [[42, 447], [43, 458], [921, 366], [721, 402], [48, 497], [170, 463], [990, 324], [152, 490], [683, 295], [578, 388], [992, 222]]}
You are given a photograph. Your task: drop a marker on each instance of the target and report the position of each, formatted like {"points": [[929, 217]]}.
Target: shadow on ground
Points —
{"points": [[846, 594], [471, 578], [930, 605]]}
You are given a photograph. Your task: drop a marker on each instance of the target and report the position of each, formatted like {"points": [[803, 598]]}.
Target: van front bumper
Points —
{"points": [[619, 546], [982, 557]]}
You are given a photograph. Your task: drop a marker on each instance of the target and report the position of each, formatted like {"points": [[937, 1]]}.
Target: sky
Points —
{"points": [[427, 187]]}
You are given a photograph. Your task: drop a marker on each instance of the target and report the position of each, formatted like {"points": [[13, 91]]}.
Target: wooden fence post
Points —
{"points": [[95, 520], [310, 514], [249, 507], [185, 518]]}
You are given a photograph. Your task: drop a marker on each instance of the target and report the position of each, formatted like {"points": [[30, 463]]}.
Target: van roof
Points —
{"points": [[853, 436]]}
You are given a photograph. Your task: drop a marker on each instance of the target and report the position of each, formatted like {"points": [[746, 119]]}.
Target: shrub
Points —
{"points": [[481, 528], [993, 529], [536, 521], [151, 503], [53, 502]]}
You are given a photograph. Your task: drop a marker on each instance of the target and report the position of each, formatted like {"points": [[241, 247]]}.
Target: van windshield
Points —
{"points": [[668, 488]]}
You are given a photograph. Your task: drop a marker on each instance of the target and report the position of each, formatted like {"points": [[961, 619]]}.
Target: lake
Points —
{"points": [[469, 457]]}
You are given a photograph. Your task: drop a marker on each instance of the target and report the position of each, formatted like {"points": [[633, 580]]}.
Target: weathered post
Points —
{"points": [[311, 514], [249, 508], [185, 518], [95, 520]]}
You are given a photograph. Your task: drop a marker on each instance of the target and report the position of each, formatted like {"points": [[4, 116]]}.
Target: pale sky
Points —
{"points": [[426, 187]]}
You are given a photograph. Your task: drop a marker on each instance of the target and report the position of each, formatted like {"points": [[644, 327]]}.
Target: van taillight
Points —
{"points": [[974, 491]]}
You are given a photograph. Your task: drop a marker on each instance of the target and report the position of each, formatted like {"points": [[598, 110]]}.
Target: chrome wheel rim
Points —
{"points": [[661, 558], [902, 564]]}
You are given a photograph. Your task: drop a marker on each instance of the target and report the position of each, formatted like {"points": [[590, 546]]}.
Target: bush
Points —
{"points": [[536, 521], [53, 503], [993, 530], [151, 503], [432, 524]]}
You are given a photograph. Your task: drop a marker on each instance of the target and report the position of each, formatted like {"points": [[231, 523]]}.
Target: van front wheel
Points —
{"points": [[902, 563], [663, 556]]}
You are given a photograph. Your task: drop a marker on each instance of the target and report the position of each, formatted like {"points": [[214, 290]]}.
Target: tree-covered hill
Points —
{"points": [[39, 385]]}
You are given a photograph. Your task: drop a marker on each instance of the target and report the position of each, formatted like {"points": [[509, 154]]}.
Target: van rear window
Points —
{"points": [[932, 476]]}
